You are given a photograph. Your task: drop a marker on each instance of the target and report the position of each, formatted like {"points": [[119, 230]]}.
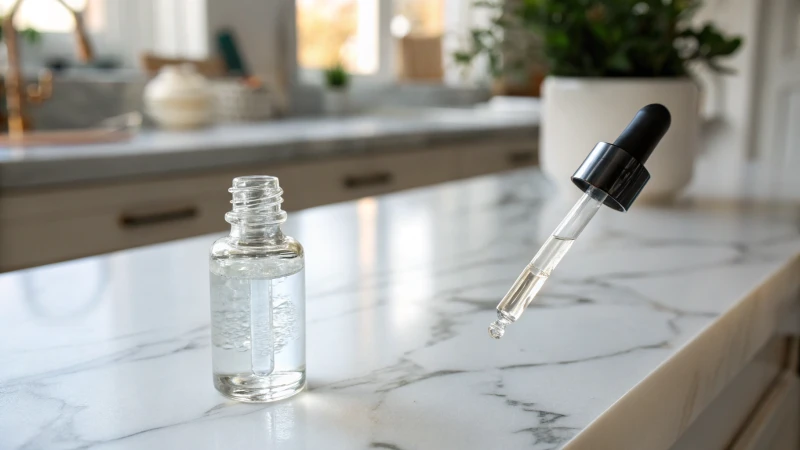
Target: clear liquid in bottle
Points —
{"points": [[258, 345]]}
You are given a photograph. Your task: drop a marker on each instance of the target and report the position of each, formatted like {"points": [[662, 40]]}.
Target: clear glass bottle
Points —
{"points": [[257, 298]]}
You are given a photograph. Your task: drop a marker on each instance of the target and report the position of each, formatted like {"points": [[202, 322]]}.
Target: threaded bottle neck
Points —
{"points": [[256, 213]]}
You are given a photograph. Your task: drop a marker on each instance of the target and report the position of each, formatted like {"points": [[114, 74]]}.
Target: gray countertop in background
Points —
{"points": [[154, 152]]}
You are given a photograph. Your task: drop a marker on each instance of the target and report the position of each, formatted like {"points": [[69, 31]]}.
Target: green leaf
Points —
{"points": [[601, 31], [337, 76], [557, 39], [720, 69], [619, 62], [597, 37], [462, 58], [31, 35], [730, 47]]}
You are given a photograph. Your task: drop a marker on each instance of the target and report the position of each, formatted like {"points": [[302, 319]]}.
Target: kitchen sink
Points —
{"points": [[115, 129]]}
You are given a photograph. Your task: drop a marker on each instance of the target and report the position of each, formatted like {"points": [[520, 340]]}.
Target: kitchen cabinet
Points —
{"points": [[753, 411], [775, 425], [44, 225]]}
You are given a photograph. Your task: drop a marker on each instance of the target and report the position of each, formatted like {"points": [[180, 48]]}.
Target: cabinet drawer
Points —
{"points": [[314, 184], [776, 422], [306, 184], [717, 426], [37, 241], [489, 159], [44, 226]]}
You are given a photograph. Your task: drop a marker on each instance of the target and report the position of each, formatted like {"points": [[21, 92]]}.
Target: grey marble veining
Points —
{"points": [[112, 352], [155, 152]]}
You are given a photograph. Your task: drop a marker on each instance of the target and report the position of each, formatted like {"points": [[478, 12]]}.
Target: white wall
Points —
{"points": [[731, 97], [255, 24], [777, 114], [265, 31], [180, 28]]}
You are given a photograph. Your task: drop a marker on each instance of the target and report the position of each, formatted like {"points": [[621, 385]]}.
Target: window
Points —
{"points": [[363, 34], [419, 17], [119, 30], [48, 16], [333, 31]]}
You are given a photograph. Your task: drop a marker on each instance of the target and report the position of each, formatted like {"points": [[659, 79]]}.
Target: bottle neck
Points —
{"points": [[256, 216], [258, 235]]}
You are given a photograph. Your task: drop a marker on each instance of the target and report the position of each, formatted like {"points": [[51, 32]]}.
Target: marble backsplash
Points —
{"points": [[81, 102]]}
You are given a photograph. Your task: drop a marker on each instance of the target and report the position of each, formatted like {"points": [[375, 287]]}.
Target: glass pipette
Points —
{"points": [[534, 275], [612, 174]]}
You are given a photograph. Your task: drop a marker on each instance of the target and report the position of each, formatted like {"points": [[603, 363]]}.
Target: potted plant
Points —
{"points": [[336, 98], [512, 53], [609, 58]]}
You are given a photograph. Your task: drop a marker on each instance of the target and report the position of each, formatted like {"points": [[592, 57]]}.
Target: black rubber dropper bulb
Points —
{"points": [[643, 134]]}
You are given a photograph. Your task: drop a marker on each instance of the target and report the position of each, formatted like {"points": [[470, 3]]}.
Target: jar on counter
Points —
{"points": [[179, 98]]}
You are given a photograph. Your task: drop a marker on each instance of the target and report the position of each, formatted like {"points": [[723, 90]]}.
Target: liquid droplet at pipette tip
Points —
{"points": [[497, 329]]}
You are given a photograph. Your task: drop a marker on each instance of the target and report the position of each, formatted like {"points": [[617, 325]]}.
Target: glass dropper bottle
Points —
{"points": [[612, 175]]}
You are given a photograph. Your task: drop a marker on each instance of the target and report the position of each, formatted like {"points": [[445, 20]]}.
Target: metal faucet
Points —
{"points": [[40, 91]]}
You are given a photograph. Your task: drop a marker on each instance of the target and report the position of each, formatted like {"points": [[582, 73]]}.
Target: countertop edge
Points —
{"points": [[717, 354], [47, 172]]}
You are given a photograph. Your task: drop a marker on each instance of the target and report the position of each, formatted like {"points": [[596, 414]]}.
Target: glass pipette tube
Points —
{"points": [[547, 258]]}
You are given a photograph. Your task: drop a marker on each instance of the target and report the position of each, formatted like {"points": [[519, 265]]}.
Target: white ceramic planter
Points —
{"points": [[579, 112], [337, 101]]}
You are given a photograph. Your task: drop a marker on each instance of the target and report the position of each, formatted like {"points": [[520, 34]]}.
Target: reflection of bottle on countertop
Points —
{"points": [[179, 98]]}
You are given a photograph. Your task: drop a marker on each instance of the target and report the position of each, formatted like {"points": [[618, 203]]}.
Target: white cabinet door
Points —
{"points": [[718, 425], [776, 423]]}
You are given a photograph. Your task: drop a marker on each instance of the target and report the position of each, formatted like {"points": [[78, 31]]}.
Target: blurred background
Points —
{"points": [[127, 119]]}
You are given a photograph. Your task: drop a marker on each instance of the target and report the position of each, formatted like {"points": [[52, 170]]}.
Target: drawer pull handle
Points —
{"points": [[141, 220], [368, 180], [518, 158]]}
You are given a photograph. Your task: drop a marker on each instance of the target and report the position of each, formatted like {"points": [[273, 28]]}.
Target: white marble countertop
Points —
{"points": [[645, 320], [156, 152]]}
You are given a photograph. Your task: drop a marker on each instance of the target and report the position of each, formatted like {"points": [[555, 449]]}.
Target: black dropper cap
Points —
{"points": [[618, 169]]}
